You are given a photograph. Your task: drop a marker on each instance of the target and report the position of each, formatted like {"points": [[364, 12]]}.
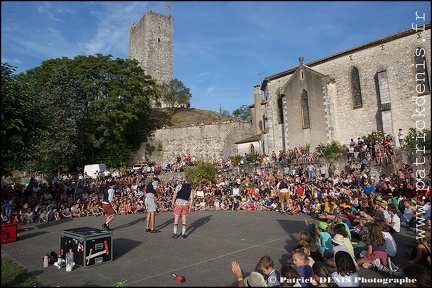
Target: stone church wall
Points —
{"points": [[204, 142], [388, 87]]}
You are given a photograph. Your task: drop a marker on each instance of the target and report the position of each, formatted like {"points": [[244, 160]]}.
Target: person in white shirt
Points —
{"points": [[394, 223], [390, 243]]}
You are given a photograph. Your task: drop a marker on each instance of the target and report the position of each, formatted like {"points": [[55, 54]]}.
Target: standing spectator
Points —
{"points": [[400, 136], [182, 204], [331, 169], [152, 189], [323, 170], [310, 169]]}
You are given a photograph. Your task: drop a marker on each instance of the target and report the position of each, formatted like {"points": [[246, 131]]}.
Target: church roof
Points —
{"points": [[250, 139], [364, 46]]}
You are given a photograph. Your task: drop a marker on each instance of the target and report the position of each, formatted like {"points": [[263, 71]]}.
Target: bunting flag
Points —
{"points": [[167, 7]]}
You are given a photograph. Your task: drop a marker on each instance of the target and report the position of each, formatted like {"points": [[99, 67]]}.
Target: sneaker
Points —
{"points": [[103, 225], [184, 236], [148, 230], [377, 264], [107, 228], [155, 231], [282, 212], [175, 236], [367, 265], [392, 266]]}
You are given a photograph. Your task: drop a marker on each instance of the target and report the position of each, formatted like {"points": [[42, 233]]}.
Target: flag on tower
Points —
{"points": [[167, 7]]}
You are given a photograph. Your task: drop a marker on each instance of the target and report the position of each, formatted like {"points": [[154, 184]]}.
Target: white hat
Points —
{"points": [[255, 279], [338, 239]]}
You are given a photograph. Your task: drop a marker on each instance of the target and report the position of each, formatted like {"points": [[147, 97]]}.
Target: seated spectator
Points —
{"points": [[301, 261], [346, 273], [321, 275], [254, 279], [289, 276], [66, 213], [272, 276]]}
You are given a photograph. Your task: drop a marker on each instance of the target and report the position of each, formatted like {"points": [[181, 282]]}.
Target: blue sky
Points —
{"points": [[221, 49]]}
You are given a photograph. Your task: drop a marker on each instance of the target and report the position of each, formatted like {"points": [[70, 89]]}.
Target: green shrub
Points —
{"points": [[374, 137], [203, 172], [418, 139], [333, 149]]}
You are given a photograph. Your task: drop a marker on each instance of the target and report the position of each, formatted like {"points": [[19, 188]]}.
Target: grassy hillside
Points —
{"points": [[189, 116]]}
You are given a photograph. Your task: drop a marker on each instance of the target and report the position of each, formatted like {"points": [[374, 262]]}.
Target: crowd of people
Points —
{"points": [[349, 208]]}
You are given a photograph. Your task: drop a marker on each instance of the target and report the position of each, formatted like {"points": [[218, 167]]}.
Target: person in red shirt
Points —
{"points": [[300, 190]]}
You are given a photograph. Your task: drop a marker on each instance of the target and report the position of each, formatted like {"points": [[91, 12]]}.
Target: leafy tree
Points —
{"points": [[333, 149], [374, 137], [203, 172], [226, 113], [108, 109], [243, 113], [60, 143], [21, 120], [174, 94], [418, 139]]}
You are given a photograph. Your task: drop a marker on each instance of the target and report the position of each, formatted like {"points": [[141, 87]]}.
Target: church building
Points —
{"points": [[381, 86]]}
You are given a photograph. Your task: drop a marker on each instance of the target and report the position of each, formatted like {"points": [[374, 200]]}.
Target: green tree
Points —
{"points": [[203, 172], [374, 137], [333, 149], [243, 113], [113, 99], [21, 120], [60, 144], [418, 139], [226, 113], [174, 94]]}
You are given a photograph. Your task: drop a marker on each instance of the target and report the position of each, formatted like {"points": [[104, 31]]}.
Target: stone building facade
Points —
{"points": [[151, 43], [379, 86]]}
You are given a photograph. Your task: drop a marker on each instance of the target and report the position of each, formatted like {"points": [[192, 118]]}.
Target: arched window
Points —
{"points": [[356, 89], [280, 110], [251, 149], [421, 72], [305, 109]]}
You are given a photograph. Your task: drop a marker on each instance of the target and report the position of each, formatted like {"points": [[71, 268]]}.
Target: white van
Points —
{"points": [[138, 166], [92, 168]]}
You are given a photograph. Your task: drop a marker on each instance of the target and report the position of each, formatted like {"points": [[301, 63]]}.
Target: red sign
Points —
{"points": [[8, 233]]}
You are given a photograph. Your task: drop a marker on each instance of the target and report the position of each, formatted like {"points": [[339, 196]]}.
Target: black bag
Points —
{"points": [[53, 257]]}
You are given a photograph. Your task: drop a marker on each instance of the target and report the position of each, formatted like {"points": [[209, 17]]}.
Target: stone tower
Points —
{"points": [[151, 43]]}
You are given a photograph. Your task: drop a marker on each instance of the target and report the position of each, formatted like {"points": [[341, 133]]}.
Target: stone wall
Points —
{"points": [[204, 142], [151, 42]]}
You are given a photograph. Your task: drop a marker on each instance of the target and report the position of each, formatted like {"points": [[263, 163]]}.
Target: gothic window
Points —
{"points": [[252, 149], [356, 89], [305, 109], [421, 73]]}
